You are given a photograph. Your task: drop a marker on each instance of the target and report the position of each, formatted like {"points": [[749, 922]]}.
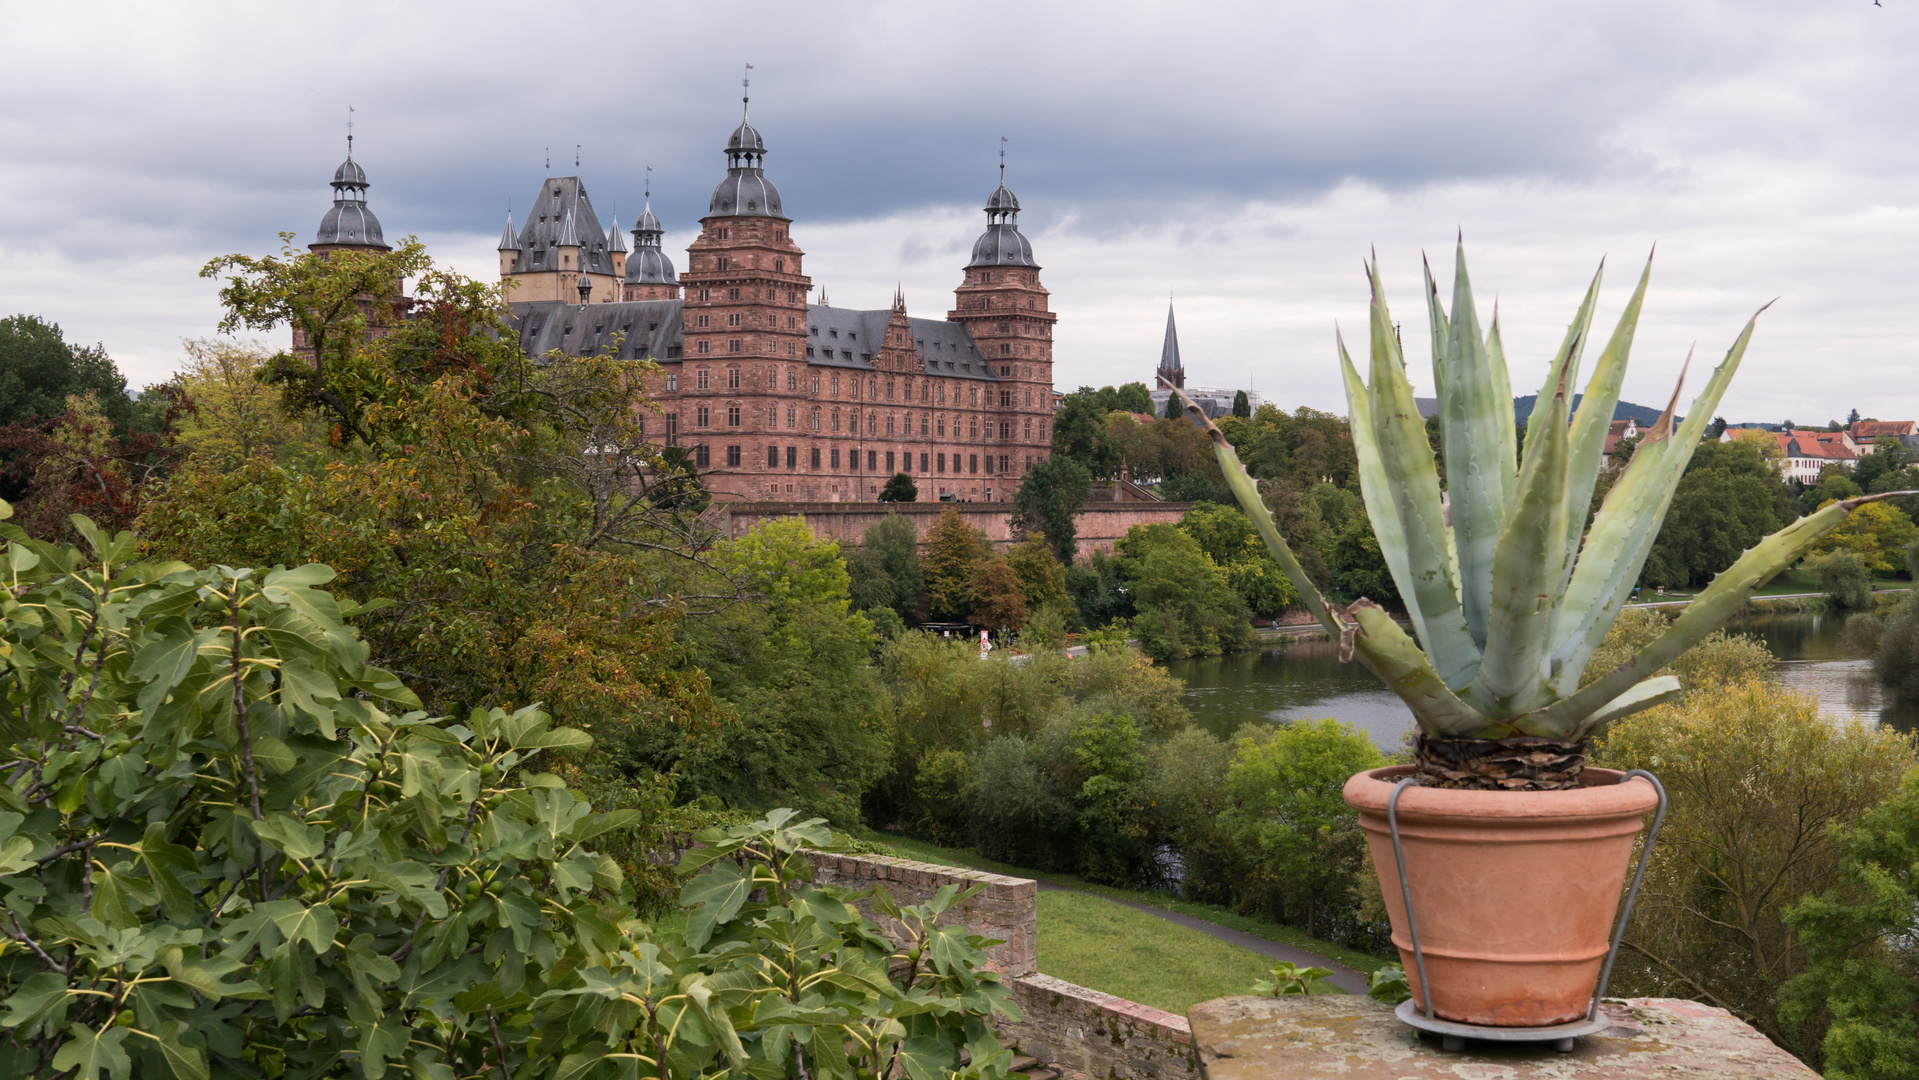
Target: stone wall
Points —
{"points": [[1097, 524], [1083, 1033]]}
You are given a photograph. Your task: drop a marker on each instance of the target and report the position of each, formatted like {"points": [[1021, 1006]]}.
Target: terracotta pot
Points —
{"points": [[1515, 891]]}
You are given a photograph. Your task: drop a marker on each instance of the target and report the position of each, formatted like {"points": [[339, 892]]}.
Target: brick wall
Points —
{"points": [[1084, 1033], [1098, 524]]}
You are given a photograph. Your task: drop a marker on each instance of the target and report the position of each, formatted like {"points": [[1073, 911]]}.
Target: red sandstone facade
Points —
{"points": [[775, 398]]}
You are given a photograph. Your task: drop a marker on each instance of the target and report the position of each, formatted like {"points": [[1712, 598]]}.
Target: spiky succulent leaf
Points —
{"points": [[1401, 665], [1593, 420], [1577, 715], [1644, 696], [1246, 492], [1404, 483], [1476, 436], [1526, 571], [1628, 522]]}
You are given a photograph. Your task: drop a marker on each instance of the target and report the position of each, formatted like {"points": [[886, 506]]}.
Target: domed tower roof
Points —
{"points": [[746, 192], [349, 223], [649, 264], [1002, 244]]}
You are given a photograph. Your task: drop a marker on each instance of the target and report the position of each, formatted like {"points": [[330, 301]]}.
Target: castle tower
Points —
{"points": [[744, 325], [1171, 372], [649, 273], [560, 243], [616, 249], [1003, 305], [349, 226]]}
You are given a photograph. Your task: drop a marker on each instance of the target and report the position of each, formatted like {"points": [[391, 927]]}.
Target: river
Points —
{"points": [[1305, 680]]}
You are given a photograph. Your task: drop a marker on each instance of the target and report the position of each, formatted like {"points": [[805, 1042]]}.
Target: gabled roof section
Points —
{"points": [[642, 328], [560, 200], [848, 338]]}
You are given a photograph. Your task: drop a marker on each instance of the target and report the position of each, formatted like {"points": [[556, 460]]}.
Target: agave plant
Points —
{"points": [[1508, 592]]}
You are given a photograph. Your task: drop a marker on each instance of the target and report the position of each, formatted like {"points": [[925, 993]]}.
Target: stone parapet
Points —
{"points": [[1008, 910], [1098, 1036], [1357, 1038]]}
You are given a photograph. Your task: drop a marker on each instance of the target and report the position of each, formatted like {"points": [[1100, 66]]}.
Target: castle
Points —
{"points": [[773, 396]]}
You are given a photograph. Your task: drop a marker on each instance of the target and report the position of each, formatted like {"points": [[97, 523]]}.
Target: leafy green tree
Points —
{"points": [[1242, 406], [1358, 566], [1876, 532], [1130, 397], [1079, 432], [1757, 780], [1098, 590], [1833, 483], [884, 568], [953, 550], [1844, 576], [1048, 497], [1185, 606], [1896, 660], [1109, 754], [1230, 540], [815, 726], [1289, 823], [39, 370], [1174, 410], [900, 488], [1862, 960]]}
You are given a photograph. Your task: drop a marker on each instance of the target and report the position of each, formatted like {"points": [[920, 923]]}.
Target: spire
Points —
{"points": [[899, 299], [614, 241], [507, 242], [1170, 369], [569, 233]]}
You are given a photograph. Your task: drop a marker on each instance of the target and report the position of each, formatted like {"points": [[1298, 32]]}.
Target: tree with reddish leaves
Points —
{"points": [[81, 462]]}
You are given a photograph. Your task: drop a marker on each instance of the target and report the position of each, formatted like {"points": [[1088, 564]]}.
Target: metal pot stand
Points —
{"points": [[1453, 1034]]}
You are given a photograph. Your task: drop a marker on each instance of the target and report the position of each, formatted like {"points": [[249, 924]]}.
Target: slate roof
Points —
{"points": [[847, 338], [1002, 244], [1169, 352], [349, 222], [561, 203], [650, 328]]}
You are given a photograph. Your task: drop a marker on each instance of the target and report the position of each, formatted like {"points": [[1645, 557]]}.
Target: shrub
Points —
{"points": [[1843, 575], [1896, 661], [1022, 814], [1862, 958], [1303, 848], [1183, 790], [945, 782], [1719, 659], [1046, 628], [1185, 606], [1756, 777], [900, 488]]}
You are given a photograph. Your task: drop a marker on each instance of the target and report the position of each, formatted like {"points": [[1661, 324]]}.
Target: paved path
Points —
{"points": [[1343, 977]]}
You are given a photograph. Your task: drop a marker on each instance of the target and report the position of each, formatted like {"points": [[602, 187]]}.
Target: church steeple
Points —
{"points": [[1171, 371]]}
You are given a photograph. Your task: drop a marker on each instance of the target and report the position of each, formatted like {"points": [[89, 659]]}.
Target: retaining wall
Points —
{"points": [[1097, 524], [1082, 1032]]}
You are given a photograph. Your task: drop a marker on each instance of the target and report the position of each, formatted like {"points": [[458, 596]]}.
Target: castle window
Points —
{"points": [[1005, 369], [732, 414], [816, 457], [701, 321], [779, 264], [942, 462], [816, 383], [872, 423], [701, 417], [889, 389], [923, 463], [852, 335], [652, 326], [721, 233], [673, 352], [922, 423], [873, 462], [722, 262], [889, 461], [867, 356], [732, 294], [792, 379], [1029, 435], [705, 295], [836, 457], [772, 457], [836, 386], [972, 463], [792, 456], [672, 381], [846, 354], [704, 375], [672, 428], [836, 419], [889, 423], [972, 424], [792, 415], [813, 330], [701, 457], [809, 350], [733, 318], [733, 345], [539, 257], [942, 427], [702, 346], [733, 457], [816, 424], [972, 395], [1005, 328], [732, 378], [1006, 350], [750, 205], [1005, 429], [833, 333], [792, 349]]}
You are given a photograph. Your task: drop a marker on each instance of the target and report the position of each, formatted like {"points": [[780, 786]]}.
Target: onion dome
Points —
{"points": [[1002, 244], [349, 223], [649, 265], [746, 192]]}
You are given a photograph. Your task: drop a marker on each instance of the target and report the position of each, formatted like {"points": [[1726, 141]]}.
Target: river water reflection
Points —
{"points": [[1306, 681]]}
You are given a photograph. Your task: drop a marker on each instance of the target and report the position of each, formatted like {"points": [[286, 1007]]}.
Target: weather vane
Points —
{"points": [[649, 185], [349, 133], [746, 82], [1002, 160]]}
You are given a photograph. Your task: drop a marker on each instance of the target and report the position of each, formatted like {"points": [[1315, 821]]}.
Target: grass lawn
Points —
{"points": [[1101, 945], [915, 849]]}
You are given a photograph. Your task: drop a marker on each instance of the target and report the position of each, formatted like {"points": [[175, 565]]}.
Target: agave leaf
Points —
{"points": [[1565, 366], [1643, 696], [1594, 419], [1628, 522], [1526, 571], [1476, 433], [1436, 319], [1405, 484], [1578, 714], [1398, 661]]}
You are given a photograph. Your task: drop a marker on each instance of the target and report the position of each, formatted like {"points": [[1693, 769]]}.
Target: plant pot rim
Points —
{"points": [[1601, 793]]}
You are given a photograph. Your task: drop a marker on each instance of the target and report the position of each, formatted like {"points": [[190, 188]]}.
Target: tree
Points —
{"points": [[953, 549], [1130, 397], [1878, 533], [84, 463], [1042, 580], [1098, 590], [1048, 497], [1757, 779], [900, 488], [1715, 429], [1358, 566], [1286, 818], [235, 415], [1174, 410], [1844, 576], [1862, 967], [815, 726], [997, 602], [1852, 417], [39, 371], [1185, 606], [1730, 498], [885, 567], [1079, 432], [1230, 540], [1242, 407]]}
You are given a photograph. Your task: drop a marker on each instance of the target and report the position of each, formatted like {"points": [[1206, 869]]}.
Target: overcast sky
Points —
{"points": [[1242, 157]]}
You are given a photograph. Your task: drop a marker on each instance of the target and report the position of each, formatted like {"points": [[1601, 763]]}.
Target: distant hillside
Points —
{"points": [[1645, 414]]}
